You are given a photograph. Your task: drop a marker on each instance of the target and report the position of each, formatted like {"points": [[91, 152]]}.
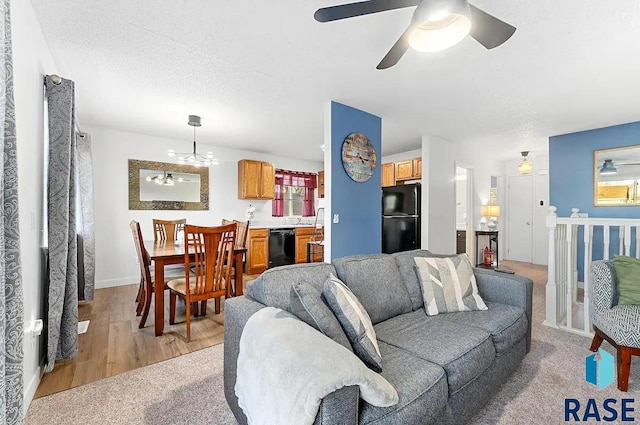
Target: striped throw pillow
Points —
{"points": [[448, 284], [355, 321]]}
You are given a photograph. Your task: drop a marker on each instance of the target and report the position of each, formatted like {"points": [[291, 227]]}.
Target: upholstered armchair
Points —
{"points": [[618, 324]]}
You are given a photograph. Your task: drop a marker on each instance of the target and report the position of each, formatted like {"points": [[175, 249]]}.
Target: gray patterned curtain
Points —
{"points": [[62, 307], [11, 304], [86, 247]]}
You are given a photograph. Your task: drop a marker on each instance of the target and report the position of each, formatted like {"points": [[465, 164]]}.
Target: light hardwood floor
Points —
{"points": [[113, 343]]}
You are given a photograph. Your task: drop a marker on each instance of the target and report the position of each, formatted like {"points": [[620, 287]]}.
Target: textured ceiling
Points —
{"points": [[260, 72]]}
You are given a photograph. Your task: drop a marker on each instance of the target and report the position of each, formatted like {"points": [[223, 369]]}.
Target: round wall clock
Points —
{"points": [[358, 157]]}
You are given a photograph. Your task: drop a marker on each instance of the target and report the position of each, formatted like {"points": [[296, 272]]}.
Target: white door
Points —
{"points": [[540, 210], [520, 218]]}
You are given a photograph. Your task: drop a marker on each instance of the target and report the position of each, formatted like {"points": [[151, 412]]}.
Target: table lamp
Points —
{"points": [[493, 212]]}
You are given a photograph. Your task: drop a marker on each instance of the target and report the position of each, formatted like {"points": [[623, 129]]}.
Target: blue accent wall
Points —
{"points": [[571, 171], [359, 204]]}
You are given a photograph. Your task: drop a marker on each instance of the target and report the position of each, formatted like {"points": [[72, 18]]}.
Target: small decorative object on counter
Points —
{"points": [[488, 257]]}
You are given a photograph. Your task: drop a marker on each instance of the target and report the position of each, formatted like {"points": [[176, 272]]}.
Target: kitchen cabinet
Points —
{"points": [[256, 179], [461, 241], [417, 168], [388, 174], [404, 170], [320, 184], [257, 251], [304, 235]]}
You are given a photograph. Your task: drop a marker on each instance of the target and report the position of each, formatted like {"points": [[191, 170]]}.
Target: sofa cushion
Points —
{"points": [[448, 285], [506, 324], [307, 304], [273, 287], [354, 320], [376, 281], [464, 352], [421, 386], [406, 266]]}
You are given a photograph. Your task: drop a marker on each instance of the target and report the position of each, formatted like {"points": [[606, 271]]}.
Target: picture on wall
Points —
{"points": [[616, 177]]}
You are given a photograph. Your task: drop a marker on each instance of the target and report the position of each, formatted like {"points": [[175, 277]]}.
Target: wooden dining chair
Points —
{"points": [[145, 290], [241, 241], [213, 247], [167, 230]]}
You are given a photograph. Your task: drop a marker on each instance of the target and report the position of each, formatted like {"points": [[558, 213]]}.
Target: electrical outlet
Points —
{"points": [[336, 218]]}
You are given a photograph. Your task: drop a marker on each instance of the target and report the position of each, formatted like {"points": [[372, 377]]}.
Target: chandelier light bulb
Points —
{"points": [[148, 178]]}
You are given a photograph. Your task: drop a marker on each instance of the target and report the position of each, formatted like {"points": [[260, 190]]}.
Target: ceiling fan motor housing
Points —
{"points": [[434, 11]]}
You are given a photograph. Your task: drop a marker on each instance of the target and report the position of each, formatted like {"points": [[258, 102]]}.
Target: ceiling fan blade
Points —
{"points": [[396, 52], [343, 11], [487, 29]]}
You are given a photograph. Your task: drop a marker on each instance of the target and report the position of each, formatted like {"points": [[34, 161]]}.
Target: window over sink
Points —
{"points": [[295, 193]]}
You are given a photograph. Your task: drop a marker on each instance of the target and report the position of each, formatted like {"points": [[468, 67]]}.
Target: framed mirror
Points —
{"points": [[166, 186], [616, 176]]}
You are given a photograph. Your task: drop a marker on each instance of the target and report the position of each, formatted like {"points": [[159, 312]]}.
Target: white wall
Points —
{"points": [[32, 61], [115, 255], [439, 159], [540, 192], [402, 156]]}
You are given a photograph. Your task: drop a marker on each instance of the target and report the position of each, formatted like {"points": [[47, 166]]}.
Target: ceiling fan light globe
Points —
{"points": [[171, 152], [430, 36], [525, 167]]}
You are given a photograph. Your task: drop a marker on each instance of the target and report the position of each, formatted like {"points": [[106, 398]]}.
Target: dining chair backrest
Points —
{"points": [[143, 256], [167, 230], [212, 248], [242, 231]]}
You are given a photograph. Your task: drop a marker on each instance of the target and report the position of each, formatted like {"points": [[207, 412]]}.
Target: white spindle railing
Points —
{"points": [[564, 309]]}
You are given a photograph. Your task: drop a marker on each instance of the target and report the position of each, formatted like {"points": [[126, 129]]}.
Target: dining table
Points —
{"points": [[164, 253]]}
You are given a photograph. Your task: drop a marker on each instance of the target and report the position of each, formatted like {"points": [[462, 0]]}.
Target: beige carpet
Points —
{"points": [[188, 389]]}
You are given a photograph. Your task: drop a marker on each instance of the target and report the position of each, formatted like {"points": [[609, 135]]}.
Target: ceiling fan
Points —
{"points": [[435, 25]]}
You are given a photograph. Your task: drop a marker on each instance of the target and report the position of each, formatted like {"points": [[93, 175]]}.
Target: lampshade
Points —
{"points": [[525, 165], [491, 211], [608, 168], [439, 25]]}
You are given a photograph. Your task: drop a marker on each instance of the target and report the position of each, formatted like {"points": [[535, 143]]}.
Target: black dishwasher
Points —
{"points": [[282, 247]]}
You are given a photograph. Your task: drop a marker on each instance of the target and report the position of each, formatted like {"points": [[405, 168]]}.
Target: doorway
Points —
{"points": [[464, 210], [520, 218]]}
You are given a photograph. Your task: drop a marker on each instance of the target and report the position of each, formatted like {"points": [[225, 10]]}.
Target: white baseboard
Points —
{"points": [[109, 283], [31, 387]]}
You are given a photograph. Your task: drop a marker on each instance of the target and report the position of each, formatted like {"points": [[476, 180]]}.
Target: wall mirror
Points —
{"points": [[166, 186], [616, 176]]}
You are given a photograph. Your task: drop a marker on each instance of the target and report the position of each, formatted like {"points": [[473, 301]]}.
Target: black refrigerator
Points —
{"points": [[400, 218]]}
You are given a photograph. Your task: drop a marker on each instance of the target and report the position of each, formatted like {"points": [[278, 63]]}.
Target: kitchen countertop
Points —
{"points": [[279, 226]]}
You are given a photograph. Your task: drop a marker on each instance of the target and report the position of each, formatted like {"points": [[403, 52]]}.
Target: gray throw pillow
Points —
{"points": [[448, 284], [355, 321], [307, 304]]}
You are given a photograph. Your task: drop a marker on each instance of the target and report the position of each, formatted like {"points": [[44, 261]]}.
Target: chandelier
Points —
{"points": [[194, 158], [165, 179]]}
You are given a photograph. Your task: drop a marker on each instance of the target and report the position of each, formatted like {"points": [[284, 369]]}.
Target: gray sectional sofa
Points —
{"points": [[444, 367]]}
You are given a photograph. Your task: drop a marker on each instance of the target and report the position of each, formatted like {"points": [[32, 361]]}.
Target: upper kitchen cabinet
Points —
{"points": [[388, 174], [410, 169], [404, 170], [417, 168], [256, 179]]}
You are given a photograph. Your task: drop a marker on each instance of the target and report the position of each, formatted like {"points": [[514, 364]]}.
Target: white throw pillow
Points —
{"points": [[448, 284]]}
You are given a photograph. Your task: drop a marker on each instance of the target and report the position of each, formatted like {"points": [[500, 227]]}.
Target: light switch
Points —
{"points": [[336, 218]]}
